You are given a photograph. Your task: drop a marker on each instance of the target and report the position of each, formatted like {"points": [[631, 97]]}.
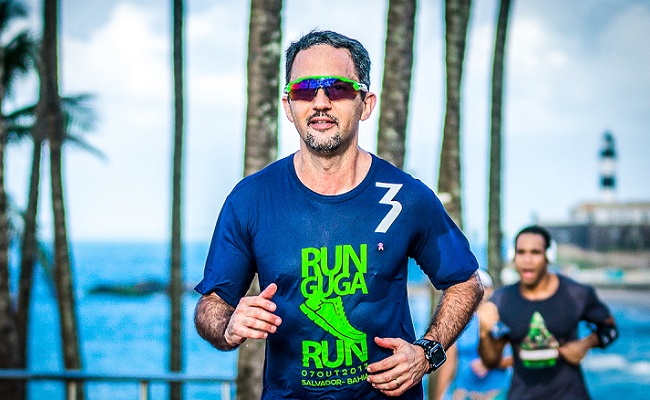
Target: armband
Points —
{"points": [[606, 334], [499, 330]]}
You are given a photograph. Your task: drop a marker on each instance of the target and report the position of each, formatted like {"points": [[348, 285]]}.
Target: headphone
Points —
{"points": [[551, 252]]}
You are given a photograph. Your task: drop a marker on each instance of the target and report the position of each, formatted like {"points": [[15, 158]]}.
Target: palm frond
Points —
{"points": [[80, 110], [19, 123], [10, 10], [19, 58], [82, 144], [79, 114], [79, 118]]}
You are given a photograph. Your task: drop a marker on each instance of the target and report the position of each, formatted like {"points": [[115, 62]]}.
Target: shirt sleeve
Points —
{"points": [[595, 310], [229, 267], [443, 252]]}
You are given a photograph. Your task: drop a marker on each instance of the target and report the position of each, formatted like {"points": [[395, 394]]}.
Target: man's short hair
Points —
{"points": [[536, 230], [359, 54]]}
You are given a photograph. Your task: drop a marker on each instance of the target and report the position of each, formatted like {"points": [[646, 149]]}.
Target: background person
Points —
{"points": [[329, 230], [542, 312]]}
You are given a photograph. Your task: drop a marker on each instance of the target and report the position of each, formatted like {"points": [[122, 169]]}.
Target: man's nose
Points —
{"points": [[321, 100]]}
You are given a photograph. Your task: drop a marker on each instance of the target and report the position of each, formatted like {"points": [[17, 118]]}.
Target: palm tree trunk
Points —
{"points": [[495, 235], [15, 58], [264, 41], [28, 251], [449, 177], [62, 273], [396, 87], [9, 356], [176, 287], [261, 148], [50, 120]]}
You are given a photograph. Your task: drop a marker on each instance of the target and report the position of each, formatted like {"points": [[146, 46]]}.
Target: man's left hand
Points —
{"points": [[478, 368], [573, 352], [396, 374]]}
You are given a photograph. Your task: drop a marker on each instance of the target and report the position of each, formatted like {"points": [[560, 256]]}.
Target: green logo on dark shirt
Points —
{"points": [[323, 286], [539, 349]]}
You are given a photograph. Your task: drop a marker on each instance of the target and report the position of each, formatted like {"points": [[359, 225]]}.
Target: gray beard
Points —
{"points": [[328, 147]]}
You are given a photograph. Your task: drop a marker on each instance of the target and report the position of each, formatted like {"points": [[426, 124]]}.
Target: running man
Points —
{"points": [[539, 316], [329, 231]]}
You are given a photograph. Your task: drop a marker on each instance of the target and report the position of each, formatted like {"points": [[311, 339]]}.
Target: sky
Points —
{"points": [[573, 71]]}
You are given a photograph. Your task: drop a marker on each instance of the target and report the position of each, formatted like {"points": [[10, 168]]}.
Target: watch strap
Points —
{"points": [[429, 346]]}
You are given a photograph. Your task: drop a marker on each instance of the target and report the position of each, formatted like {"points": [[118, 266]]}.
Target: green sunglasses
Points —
{"points": [[335, 88]]}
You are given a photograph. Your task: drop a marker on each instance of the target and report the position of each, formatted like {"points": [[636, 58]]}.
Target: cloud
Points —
{"points": [[571, 78], [125, 58], [574, 69], [126, 64]]}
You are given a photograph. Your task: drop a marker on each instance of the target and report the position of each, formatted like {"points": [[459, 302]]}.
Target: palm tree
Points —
{"points": [[9, 357], [396, 88], [28, 248], [494, 234], [449, 174], [50, 119], [449, 177], [264, 44], [176, 287], [79, 118], [14, 60]]}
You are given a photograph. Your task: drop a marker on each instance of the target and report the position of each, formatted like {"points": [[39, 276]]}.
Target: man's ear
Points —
{"points": [[369, 103], [286, 103]]}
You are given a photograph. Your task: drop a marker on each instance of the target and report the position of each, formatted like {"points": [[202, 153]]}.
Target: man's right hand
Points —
{"points": [[488, 315], [253, 318], [489, 349]]}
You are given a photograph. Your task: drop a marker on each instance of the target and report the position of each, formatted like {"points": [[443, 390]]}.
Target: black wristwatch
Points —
{"points": [[434, 353]]}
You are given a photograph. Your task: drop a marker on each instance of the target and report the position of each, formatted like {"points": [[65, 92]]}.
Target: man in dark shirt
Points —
{"points": [[329, 231], [539, 316]]}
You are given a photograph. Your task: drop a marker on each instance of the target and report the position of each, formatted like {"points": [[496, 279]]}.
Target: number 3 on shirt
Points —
{"points": [[388, 220]]}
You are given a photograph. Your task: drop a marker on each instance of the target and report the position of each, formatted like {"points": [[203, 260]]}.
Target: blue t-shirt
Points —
{"points": [[340, 264]]}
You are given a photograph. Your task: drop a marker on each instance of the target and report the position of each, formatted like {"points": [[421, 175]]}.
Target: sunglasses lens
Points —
{"points": [[302, 94], [303, 90], [335, 89], [341, 90]]}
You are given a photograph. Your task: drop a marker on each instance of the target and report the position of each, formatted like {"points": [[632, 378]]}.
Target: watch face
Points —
{"points": [[438, 356], [434, 353]]}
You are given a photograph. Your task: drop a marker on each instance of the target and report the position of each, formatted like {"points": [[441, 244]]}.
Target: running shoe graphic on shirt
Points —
{"points": [[330, 315], [539, 349]]}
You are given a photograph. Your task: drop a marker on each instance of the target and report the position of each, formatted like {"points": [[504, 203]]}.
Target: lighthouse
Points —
{"points": [[608, 169]]}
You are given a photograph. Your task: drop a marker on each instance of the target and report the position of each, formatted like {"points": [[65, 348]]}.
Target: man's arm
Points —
{"points": [[211, 317], [226, 327], [457, 305], [605, 333], [406, 367], [489, 348]]}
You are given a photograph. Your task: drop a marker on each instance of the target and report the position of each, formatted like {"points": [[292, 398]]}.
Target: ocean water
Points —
{"points": [[129, 334]]}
